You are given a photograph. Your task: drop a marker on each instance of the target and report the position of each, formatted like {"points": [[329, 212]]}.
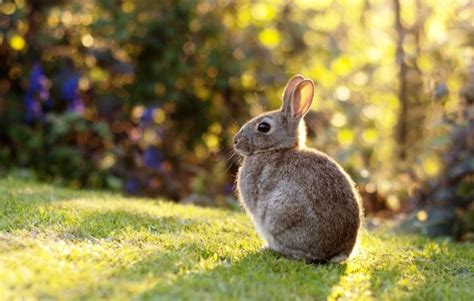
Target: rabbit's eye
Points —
{"points": [[263, 127]]}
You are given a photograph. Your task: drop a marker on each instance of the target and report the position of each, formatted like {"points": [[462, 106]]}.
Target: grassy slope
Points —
{"points": [[58, 243]]}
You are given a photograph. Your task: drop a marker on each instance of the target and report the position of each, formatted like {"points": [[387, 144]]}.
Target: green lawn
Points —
{"points": [[57, 243]]}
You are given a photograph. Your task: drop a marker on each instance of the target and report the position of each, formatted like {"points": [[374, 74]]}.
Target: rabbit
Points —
{"points": [[302, 203]]}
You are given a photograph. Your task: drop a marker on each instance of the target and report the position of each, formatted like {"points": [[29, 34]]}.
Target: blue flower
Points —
{"points": [[36, 79], [147, 116], [36, 94], [70, 93], [69, 90], [32, 109], [152, 158]]}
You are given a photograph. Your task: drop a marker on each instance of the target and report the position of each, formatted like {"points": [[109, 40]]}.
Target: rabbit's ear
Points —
{"points": [[289, 89], [302, 98]]}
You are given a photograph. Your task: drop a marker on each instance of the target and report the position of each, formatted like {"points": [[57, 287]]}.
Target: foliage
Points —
{"points": [[144, 96], [446, 202], [57, 243]]}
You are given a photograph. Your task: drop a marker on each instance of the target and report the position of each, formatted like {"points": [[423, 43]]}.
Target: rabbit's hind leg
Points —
{"points": [[339, 258], [293, 253], [292, 244]]}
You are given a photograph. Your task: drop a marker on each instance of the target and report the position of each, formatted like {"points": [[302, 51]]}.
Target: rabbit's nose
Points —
{"points": [[236, 140]]}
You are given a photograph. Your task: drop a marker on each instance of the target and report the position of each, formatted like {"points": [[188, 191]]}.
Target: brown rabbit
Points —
{"points": [[303, 204]]}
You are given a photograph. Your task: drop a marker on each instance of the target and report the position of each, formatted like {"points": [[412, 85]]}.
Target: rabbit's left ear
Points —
{"points": [[289, 89], [302, 98]]}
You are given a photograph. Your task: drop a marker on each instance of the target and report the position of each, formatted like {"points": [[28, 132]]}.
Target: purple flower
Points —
{"points": [[37, 78], [70, 93], [147, 116], [131, 186], [152, 158], [69, 90], [32, 109], [36, 94]]}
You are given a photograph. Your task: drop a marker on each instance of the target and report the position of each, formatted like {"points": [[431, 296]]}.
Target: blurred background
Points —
{"points": [[144, 96]]}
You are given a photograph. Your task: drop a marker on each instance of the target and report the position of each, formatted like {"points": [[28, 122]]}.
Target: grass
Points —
{"points": [[57, 243]]}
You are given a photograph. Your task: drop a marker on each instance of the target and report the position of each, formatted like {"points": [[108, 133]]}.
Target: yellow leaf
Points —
{"points": [[7, 8], [248, 80], [202, 93], [16, 42], [422, 215], [343, 93], [269, 37], [98, 74], [370, 136], [107, 161], [338, 120], [424, 63], [320, 4], [159, 116], [215, 128], [328, 21], [436, 31], [310, 38], [87, 40], [243, 17], [263, 11], [211, 141], [137, 112], [393, 202], [345, 136], [431, 165], [128, 6], [149, 136], [342, 65]]}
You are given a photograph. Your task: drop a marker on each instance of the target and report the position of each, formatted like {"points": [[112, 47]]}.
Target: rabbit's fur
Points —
{"points": [[303, 204]]}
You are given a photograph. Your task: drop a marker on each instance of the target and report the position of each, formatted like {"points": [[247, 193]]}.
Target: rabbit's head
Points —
{"points": [[281, 129]]}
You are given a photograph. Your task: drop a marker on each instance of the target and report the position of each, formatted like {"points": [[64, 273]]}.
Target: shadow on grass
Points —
{"points": [[195, 271], [257, 276]]}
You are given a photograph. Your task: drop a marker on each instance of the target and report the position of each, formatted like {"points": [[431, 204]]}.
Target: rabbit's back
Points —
{"points": [[309, 198]]}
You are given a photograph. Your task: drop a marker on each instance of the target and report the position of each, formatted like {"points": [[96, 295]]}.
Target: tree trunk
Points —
{"points": [[402, 79]]}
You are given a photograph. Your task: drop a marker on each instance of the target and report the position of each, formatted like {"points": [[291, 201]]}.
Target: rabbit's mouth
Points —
{"points": [[241, 145], [243, 149]]}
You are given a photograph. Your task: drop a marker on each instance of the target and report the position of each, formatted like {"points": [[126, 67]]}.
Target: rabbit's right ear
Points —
{"points": [[301, 99], [289, 89]]}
